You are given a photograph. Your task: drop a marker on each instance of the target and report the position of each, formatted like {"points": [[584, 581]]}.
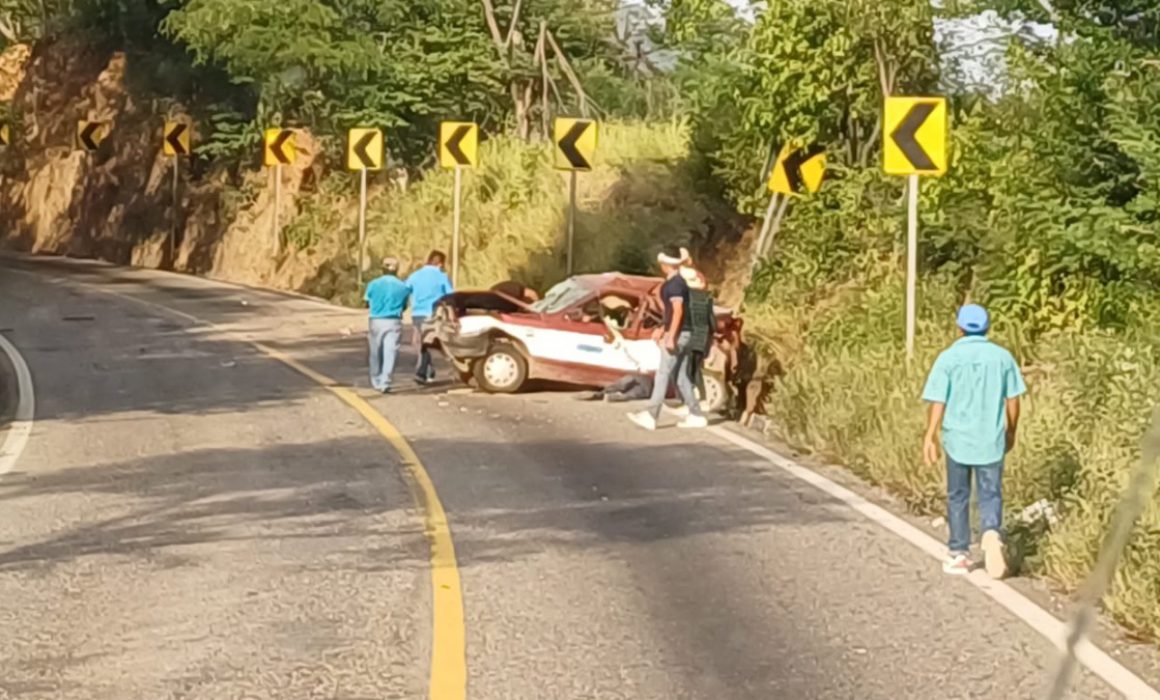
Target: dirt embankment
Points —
{"points": [[117, 203]]}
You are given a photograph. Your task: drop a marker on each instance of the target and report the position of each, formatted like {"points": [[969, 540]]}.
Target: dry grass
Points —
{"points": [[849, 395], [637, 197]]}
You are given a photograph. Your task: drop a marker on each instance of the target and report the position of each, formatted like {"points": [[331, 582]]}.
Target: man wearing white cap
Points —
{"points": [[973, 391], [386, 297], [676, 354]]}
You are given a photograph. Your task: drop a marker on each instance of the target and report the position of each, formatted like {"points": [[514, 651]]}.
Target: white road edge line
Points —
{"points": [[1095, 659], [21, 428]]}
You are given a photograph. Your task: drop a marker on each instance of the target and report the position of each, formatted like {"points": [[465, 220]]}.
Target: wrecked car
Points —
{"points": [[588, 330]]}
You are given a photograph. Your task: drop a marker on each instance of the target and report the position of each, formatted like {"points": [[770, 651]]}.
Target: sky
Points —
{"points": [[975, 42]]}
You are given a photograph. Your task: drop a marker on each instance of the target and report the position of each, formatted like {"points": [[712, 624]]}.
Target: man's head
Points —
{"points": [[437, 258], [390, 266], [670, 260], [973, 320]]}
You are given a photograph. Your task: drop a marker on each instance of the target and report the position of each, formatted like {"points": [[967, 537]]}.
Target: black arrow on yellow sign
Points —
{"points": [[175, 141], [793, 165], [568, 146], [89, 136], [905, 135], [360, 149], [454, 143], [276, 147]]}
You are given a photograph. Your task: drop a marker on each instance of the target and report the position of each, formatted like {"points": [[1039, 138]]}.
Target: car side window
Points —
{"points": [[618, 309]]}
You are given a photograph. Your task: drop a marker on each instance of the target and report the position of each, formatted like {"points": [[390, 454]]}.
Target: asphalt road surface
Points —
{"points": [[193, 518]]}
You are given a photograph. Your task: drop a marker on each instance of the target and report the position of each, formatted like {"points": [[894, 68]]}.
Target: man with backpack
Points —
{"points": [[676, 346]]}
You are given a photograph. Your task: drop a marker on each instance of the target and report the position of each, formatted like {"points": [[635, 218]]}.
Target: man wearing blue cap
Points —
{"points": [[973, 391]]}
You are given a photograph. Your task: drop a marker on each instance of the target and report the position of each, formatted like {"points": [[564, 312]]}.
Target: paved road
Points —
{"points": [[192, 519]]}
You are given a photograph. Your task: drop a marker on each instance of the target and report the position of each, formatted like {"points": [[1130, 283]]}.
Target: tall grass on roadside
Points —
{"points": [[849, 396], [638, 196]]}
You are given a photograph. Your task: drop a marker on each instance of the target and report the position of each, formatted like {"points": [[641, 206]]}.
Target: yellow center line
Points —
{"points": [[449, 639]]}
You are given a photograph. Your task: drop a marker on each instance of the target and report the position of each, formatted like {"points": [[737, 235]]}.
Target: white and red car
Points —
{"points": [[589, 330]]}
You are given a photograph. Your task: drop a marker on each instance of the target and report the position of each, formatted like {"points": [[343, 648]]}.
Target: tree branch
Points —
{"points": [[868, 144], [572, 78], [514, 23], [492, 25]]}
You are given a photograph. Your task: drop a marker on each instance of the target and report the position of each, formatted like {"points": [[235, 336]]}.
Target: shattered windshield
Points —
{"points": [[560, 297]]}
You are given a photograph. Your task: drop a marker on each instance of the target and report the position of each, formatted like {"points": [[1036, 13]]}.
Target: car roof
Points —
{"points": [[613, 281]]}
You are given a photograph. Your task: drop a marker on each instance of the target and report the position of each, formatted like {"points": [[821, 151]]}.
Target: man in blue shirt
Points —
{"points": [[386, 298], [973, 391], [428, 285]]}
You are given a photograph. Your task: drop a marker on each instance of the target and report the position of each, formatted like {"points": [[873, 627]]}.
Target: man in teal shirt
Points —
{"points": [[386, 298], [973, 391], [428, 285]]}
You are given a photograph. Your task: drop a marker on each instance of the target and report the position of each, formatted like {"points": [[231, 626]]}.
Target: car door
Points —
{"points": [[578, 345]]}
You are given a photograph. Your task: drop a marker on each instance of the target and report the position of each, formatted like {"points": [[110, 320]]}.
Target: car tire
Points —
{"points": [[503, 370], [718, 393]]}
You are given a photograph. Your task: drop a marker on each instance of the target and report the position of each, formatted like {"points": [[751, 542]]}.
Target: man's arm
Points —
{"points": [[1012, 421], [930, 442], [936, 392], [674, 328]]}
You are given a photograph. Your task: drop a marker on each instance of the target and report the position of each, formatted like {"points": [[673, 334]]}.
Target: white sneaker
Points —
{"points": [[681, 411], [958, 565], [691, 421], [644, 419], [994, 558]]}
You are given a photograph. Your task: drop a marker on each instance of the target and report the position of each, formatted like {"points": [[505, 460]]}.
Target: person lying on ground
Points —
{"points": [[633, 387]]}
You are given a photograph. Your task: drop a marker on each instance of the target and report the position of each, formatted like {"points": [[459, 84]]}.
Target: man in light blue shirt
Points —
{"points": [[973, 391], [386, 298], [428, 285]]}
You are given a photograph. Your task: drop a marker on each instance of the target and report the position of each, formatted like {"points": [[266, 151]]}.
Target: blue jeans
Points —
{"points": [[424, 368], [989, 484], [383, 338], [678, 363]]}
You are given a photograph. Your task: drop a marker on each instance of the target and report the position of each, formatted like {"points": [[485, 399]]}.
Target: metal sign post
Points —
{"points": [[458, 149], [278, 149], [365, 151], [914, 143], [176, 142], [766, 223], [455, 227], [362, 223], [575, 141], [571, 218], [274, 232], [911, 261], [176, 206]]}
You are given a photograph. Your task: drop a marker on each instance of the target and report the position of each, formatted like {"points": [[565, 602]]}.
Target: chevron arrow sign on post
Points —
{"points": [[798, 170], [575, 141], [176, 141], [458, 144], [915, 136], [364, 149], [91, 134], [278, 147], [914, 143]]}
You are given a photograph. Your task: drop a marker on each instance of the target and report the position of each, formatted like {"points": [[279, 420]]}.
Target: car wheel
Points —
{"points": [[502, 370], [717, 393]]}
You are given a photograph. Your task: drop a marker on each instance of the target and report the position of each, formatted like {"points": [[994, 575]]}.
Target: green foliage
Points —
{"points": [[1049, 215], [808, 70]]}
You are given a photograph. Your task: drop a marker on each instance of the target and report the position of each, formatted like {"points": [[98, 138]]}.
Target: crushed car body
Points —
{"points": [[589, 330]]}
